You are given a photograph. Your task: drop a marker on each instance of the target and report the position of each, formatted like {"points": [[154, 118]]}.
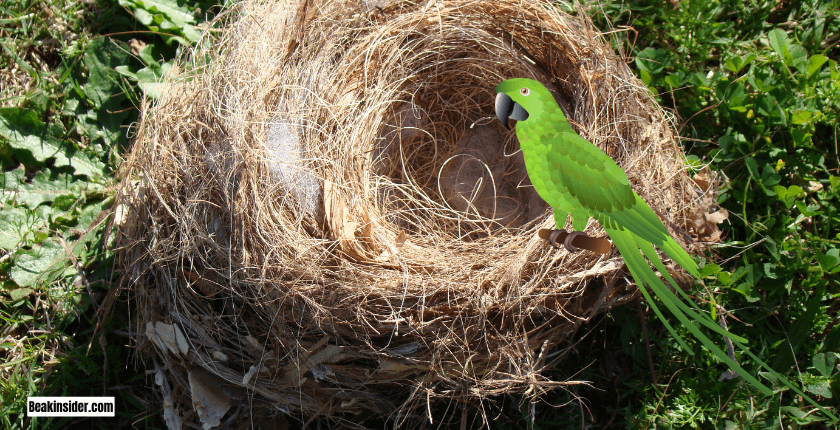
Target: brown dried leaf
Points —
{"points": [[136, 46], [209, 398], [717, 217], [702, 180]]}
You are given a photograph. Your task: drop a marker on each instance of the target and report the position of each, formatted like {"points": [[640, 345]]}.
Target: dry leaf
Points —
{"points": [[208, 397], [702, 180], [170, 414], [136, 46], [718, 217], [401, 237], [170, 335], [814, 186]]}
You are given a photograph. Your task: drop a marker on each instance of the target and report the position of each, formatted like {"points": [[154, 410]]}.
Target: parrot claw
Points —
{"points": [[568, 241], [552, 238]]}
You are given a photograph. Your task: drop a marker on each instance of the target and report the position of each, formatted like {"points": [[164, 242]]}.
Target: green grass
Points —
{"points": [[68, 94], [754, 83]]}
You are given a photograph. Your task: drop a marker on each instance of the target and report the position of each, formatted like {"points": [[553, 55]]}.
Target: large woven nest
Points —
{"points": [[323, 218]]}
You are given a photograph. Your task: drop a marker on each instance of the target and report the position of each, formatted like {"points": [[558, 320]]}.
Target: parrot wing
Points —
{"points": [[588, 174], [596, 181]]}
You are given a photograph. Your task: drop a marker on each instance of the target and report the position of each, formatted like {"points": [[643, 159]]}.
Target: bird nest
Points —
{"points": [[321, 219]]}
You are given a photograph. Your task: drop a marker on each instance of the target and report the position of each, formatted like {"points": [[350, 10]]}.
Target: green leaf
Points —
{"points": [[780, 43], [830, 261], [815, 63], [787, 195], [47, 185], [32, 264], [167, 16], [652, 60], [19, 293], [805, 210], [18, 223], [801, 116], [770, 271], [709, 270], [835, 183], [177, 14], [825, 362], [105, 120], [735, 64], [800, 138], [645, 76], [752, 167], [799, 57], [736, 94], [101, 57], [31, 138], [821, 388], [769, 177], [771, 246]]}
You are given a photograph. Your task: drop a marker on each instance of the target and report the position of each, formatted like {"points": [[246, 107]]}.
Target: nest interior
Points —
{"points": [[322, 215]]}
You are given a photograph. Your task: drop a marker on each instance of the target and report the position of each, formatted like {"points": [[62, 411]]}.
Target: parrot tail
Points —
{"points": [[629, 244]]}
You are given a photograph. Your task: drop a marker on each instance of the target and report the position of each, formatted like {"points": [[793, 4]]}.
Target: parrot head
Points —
{"points": [[518, 99]]}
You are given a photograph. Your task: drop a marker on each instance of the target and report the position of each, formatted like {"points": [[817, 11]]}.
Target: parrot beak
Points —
{"points": [[506, 109]]}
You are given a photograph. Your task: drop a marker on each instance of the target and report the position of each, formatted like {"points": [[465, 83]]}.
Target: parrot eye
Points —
{"points": [[524, 91]]}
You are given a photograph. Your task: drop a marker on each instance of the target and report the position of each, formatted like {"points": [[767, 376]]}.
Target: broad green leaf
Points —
{"points": [[736, 94], [825, 362], [20, 224], [830, 261], [45, 187], [31, 138], [105, 120], [752, 167], [167, 16], [799, 57], [821, 388], [835, 183], [815, 63], [179, 15], [101, 57], [645, 76], [29, 266], [652, 60], [805, 210], [787, 195], [735, 64], [800, 138], [709, 270], [673, 80], [800, 117], [769, 177], [771, 246], [780, 43], [770, 271], [19, 293], [125, 71]]}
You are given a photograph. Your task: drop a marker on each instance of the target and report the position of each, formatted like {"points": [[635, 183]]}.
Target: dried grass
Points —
{"points": [[394, 282]]}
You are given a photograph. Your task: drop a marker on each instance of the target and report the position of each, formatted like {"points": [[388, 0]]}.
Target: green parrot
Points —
{"points": [[575, 177]]}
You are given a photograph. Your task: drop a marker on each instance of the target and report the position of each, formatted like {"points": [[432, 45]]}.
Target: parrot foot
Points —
{"points": [[558, 237]]}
